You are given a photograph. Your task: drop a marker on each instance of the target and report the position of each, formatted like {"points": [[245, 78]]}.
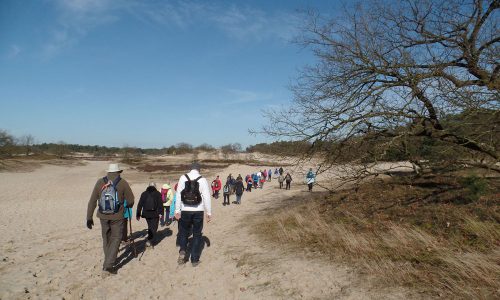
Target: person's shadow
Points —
{"points": [[139, 246], [205, 242]]}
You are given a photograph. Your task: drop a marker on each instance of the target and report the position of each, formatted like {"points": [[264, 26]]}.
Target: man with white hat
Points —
{"points": [[109, 194]]}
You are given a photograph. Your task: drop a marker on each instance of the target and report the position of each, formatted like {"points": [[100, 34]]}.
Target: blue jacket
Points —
{"points": [[172, 207], [127, 213]]}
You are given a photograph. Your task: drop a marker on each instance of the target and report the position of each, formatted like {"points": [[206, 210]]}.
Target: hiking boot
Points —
{"points": [[195, 263], [108, 272], [182, 258], [149, 244]]}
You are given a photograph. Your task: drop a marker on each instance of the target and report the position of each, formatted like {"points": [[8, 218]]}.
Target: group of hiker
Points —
{"points": [[187, 202]]}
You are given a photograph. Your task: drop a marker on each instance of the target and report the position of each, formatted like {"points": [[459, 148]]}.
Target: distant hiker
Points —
{"points": [[269, 173], [226, 191], [281, 170], [172, 207], [167, 195], [264, 174], [109, 194], [310, 178], [216, 186], [288, 180], [262, 179], [249, 183], [259, 174], [276, 172], [255, 180], [232, 181], [281, 178], [172, 214], [194, 195], [239, 188], [150, 207]]}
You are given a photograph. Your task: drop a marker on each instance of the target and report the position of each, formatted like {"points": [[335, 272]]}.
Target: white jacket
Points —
{"points": [[205, 204]]}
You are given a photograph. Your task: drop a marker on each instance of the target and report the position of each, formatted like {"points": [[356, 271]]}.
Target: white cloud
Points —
{"points": [[76, 18], [253, 24]]}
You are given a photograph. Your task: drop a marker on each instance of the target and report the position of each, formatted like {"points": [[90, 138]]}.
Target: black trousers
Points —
{"points": [[288, 185], [152, 227], [226, 196], [191, 222], [125, 231]]}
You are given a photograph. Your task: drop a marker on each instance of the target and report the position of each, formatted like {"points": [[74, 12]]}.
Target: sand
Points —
{"points": [[48, 253]]}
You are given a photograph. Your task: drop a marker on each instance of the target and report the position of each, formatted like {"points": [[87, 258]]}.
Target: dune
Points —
{"points": [[48, 253]]}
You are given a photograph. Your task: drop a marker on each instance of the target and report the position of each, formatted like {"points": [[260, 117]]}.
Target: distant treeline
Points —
{"points": [[483, 126]]}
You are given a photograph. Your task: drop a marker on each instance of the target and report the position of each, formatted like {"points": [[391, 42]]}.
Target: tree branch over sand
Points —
{"points": [[391, 78]]}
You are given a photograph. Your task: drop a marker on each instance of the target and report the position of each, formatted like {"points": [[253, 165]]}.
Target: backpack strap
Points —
{"points": [[106, 183], [115, 182], [189, 179], [197, 178]]}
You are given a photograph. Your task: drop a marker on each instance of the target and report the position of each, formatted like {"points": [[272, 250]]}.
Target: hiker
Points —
{"points": [[239, 188], [310, 178], [281, 170], [193, 200], [288, 180], [150, 207], [269, 173], [264, 174], [239, 178], [255, 180], [216, 186], [249, 183], [127, 215], [276, 172], [109, 194], [226, 191], [172, 214], [232, 181], [167, 196], [281, 178], [262, 179], [174, 199]]}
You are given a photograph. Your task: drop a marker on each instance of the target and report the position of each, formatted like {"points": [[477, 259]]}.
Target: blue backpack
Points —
{"points": [[108, 202]]}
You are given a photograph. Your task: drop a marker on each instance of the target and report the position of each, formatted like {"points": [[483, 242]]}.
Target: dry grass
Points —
{"points": [[432, 245]]}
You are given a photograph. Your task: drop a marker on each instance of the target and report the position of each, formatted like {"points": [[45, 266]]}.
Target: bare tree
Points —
{"points": [[205, 147], [27, 142], [391, 73]]}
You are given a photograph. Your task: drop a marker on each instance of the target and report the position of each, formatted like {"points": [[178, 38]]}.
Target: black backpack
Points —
{"points": [[239, 188], [191, 195], [150, 203]]}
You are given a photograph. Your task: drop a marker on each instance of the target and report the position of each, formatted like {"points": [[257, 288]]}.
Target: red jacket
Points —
{"points": [[216, 185]]}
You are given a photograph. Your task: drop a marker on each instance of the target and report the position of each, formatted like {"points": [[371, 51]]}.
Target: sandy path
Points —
{"points": [[47, 253]]}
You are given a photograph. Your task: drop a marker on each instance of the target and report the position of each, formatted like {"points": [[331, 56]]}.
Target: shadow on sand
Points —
{"points": [[140, 246]]}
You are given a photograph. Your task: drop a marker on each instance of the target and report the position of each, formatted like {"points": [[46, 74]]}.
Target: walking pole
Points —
{"points": [[131, 236]]}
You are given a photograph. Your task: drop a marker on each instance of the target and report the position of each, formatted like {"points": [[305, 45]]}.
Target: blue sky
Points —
{"points": [[147, 73]]}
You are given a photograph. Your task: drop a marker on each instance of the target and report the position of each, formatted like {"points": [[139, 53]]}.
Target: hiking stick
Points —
{"points": [[131, 236]]}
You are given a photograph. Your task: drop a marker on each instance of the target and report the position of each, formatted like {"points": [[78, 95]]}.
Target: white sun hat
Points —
{"points": [[113, 168]]}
